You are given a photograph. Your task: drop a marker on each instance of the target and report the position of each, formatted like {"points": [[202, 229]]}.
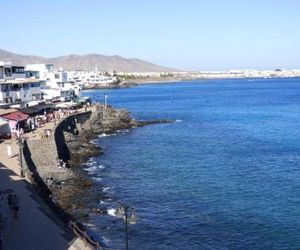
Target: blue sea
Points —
{"points": [[224, 175]]}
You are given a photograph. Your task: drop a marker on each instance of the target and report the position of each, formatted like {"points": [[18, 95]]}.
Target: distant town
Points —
{"points": [[33, 84]]}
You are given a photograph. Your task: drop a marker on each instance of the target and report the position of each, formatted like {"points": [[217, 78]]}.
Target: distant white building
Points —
{"points": [[91, 78], [56, 83]]}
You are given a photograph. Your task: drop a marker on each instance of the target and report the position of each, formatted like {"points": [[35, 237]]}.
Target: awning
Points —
{"points": [[84, 99], [32, 110], [67, 105], [36, 110], [35, 103], [16, 116]]}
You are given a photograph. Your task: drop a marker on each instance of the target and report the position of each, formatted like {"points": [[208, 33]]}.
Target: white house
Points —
{"points": [[95, 78], [59, 80], [15, 88], [42, 69], [20, 90], [8, 71], [51, 89]]}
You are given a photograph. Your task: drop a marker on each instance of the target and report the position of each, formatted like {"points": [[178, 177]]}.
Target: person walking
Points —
{"points": [[9, 199], [3, 219], [15, 205]]}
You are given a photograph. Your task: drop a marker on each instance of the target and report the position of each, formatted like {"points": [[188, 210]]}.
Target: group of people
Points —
{"points": [[86, 106], [37, 121], [17, 133], [61, 164]]}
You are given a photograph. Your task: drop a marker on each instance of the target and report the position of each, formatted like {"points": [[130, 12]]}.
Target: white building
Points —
{"points": [[56, 83], [15, 88], [9, 72], [61, 80], [20, 91], [42, 69], [91, 78]]}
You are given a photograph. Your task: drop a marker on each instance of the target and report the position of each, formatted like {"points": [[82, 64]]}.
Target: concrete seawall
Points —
{"points": [[40, 157], [70, 125]]}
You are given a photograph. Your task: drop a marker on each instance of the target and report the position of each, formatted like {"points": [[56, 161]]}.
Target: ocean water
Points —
{"points": [[225, 175]]}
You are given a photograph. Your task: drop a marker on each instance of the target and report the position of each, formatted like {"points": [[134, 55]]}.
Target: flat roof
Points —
{"points": [[20, 81]]}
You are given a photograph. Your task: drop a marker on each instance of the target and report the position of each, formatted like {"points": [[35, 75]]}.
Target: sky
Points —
{"points": [[184, 34]]}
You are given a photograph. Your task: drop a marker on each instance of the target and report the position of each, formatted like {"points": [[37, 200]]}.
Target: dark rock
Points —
{"points": [[144, 123], [75, 195]]}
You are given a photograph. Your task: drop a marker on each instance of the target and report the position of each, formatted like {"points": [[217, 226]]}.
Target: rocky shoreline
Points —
{"points": [[73, 192], [136, 82], [118, 85]]}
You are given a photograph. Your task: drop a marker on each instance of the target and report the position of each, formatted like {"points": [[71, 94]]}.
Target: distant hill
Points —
{"points": [[89, 62]]}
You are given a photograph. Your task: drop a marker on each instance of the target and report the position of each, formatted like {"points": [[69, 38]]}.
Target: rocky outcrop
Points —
{"points": [[149, 122], [109, 120], [101, 120]]}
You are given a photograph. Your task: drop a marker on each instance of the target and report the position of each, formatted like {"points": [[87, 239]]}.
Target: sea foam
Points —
{"points": [[111, 211], [94, 169]]}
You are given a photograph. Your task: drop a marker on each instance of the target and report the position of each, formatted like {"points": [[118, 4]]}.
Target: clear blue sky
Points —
{"points": [[188, 34]]}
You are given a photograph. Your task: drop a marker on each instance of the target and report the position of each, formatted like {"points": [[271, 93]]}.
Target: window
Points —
{"points": [[36, 96], [18, 70], [35, 85], [15, 87], [1, 73], [7, 71], [3, 87], [26, 86]]}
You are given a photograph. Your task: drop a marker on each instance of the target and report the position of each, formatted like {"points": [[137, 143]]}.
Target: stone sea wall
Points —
{"points": [[42, 155], [70, 125]]}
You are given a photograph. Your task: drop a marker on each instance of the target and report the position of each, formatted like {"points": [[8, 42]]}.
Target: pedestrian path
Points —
{"points": [[37, 227]]}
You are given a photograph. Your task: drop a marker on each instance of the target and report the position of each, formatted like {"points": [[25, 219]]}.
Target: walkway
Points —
{"points": [[37, 228]]}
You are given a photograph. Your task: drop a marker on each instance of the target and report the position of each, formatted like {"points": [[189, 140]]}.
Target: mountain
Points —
{"points": [[89, 62]]}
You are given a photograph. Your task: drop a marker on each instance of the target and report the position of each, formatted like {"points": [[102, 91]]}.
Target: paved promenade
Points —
{"points": [[37, 228]]}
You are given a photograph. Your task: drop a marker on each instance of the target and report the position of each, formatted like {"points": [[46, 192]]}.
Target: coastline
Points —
{"points": [[70, 142], [184, 79], [102, 121], [165, 80], [81, 121], [68, 192]]}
